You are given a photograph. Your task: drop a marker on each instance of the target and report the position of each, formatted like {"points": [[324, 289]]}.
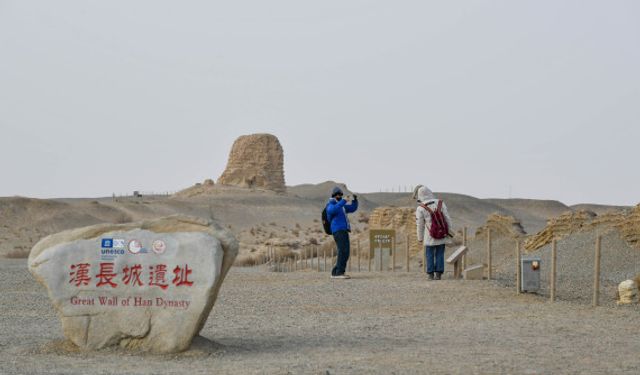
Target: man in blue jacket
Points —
{"points": [[337, 210]]}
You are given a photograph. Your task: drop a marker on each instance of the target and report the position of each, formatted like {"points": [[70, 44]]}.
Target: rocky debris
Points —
{"points": [[629, 227], [575, 264], [627, 292], [204, 188], [561, 226], [503, 226], [147, 286], [626, 222], [255, 161]]}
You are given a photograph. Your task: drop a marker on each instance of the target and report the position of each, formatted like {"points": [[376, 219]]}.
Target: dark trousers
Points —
{"points": [[437, 264], [344, 248]]}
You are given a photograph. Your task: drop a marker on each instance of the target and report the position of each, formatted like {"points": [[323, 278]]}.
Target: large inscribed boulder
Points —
{"points": [[149, 285]]}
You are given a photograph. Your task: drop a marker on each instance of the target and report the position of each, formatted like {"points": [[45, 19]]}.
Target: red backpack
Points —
{"points": [[439, 227]]}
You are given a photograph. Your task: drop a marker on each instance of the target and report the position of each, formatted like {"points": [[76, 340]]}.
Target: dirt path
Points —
{"points": [[304, 323]]}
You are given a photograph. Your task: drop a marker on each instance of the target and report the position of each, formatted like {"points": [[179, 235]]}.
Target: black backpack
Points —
{"points": [[326, 224]]}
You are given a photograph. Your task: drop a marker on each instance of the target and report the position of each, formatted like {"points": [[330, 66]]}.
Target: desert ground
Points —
{"points": [[253, 215], [303, 323], [270, 322]]}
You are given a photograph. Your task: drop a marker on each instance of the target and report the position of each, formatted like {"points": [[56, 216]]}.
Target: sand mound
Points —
{"points": [[255, 161], [318, 192], [575, 262], [626, 222], [207, 187], [561, 226], [502, 226], [28, 220], [599, 208]]}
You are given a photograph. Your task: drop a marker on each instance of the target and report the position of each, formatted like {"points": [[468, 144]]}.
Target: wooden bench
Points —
{"points": [[456, 260]]}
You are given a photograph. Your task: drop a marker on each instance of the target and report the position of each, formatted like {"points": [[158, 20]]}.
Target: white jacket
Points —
{"points": [[423, 217]]}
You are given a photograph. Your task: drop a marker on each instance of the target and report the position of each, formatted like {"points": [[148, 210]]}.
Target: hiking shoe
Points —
{"points": [[429, 276], [438, 275], [343, 276]]}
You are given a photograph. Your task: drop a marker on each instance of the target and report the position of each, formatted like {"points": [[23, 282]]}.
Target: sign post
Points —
{"points": [[381, 239]]}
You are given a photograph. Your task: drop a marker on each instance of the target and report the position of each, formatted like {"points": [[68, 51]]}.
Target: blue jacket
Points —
{"points": [[337, 214]]}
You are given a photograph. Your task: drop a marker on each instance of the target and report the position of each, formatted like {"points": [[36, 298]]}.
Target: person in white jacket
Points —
{"points": [[434, 248]]}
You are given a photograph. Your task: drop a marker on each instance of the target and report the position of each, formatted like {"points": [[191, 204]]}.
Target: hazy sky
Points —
{"points": [[540, 98]]}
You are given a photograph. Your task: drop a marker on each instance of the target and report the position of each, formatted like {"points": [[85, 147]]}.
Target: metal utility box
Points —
{"points": [[530, 274]]}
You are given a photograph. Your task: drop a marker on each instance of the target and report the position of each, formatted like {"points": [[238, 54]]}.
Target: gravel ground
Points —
{"points": [[575, 265], [304, 323]]}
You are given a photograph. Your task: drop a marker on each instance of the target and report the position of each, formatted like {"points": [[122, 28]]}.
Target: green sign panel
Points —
{"points": [[381, 239]]}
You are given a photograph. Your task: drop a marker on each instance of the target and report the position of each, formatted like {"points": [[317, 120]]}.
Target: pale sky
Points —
{"points": [[540, 98]]}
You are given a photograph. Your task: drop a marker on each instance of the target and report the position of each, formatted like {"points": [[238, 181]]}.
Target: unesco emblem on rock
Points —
{"points": [[111, 248], [134, 246], [158, 247]]}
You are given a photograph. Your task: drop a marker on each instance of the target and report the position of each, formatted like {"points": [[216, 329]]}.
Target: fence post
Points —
{"points": [[393, 255], [552, 278], [596, 273], [518, 276], [333, 255], [488, 254], [407, 254], [358, 250], [324, 256], [380, 259], [464, 243]]}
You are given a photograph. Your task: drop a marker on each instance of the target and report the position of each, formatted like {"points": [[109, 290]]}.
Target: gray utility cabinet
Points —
{"points": [[530, 273]]}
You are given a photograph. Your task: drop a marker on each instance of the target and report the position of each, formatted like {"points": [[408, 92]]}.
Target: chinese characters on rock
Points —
{"points": [[107, 276]]}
